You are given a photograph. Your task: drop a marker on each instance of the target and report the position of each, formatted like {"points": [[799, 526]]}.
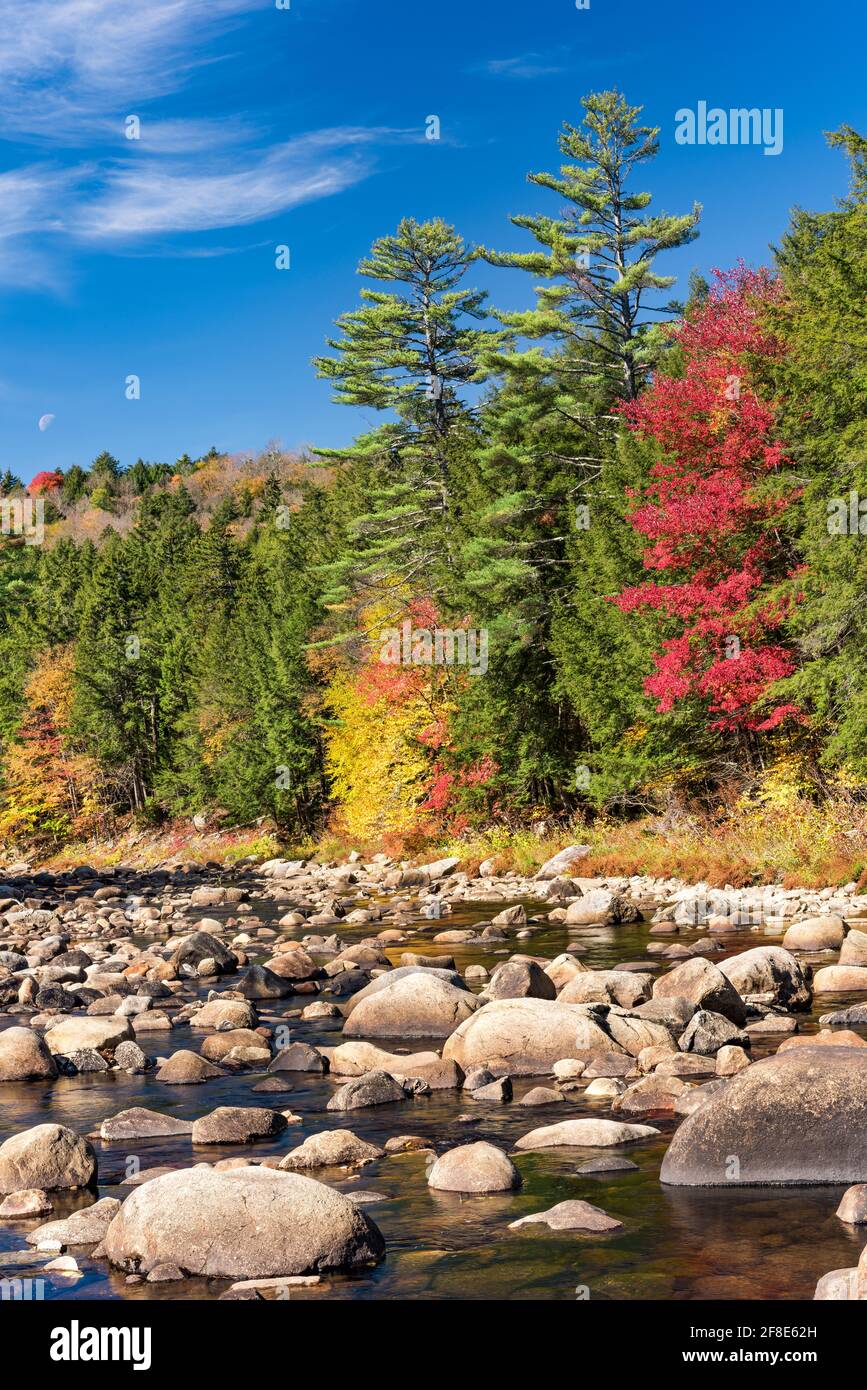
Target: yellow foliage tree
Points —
{"points": [[48, 789]]}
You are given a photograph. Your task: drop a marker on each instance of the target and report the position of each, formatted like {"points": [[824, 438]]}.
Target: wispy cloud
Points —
{"points": [[62, 65], [525, 66], [72, 71], [151, 197]]}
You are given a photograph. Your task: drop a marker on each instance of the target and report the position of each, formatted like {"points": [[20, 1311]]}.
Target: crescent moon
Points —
{"points": [[45, 421]]}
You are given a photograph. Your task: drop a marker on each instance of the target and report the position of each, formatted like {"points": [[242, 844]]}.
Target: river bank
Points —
{"points": [[407, 1013]]}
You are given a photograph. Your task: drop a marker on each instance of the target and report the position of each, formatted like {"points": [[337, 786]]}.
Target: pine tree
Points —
{"points": [[410, 350]]}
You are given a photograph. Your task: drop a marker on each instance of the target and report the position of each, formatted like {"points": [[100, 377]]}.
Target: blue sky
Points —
{"points": [[306, 127]]}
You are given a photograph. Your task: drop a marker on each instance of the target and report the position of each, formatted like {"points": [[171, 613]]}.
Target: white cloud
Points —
{"points": [[525, 65], [153, 197], [64, 63]]}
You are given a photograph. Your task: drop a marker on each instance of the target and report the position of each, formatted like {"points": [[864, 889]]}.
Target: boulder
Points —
{"points": [[86, 1227], [524, 1037], [854, 949], [571, 1216], [139, 1123], [225, 1013], [185, 1068], [561, 861], [798, 1117], [24, 1056], [24, 1205], [47, 1156], [416, 1005], [245, 1223], [479, 1167], [82, 1034], [815, 934], [601, 905], [373, 1088], [585, 1134], [840, 979], [216, 1047], [520, 979], [707, 1032], [332, 1148], [202, 946], [237, 1124], [259, 983], [853, 1207], [704, 985], [355, 1058], [298, 1056], [624, 987], [770, 971]]}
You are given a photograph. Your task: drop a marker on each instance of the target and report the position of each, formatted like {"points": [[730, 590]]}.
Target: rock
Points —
{"points": [[298, 1056], [87, 1227], [542, 1095], [605, 1086], [217, 1047], [695, 1096], [332, 1148], [828, 1037], [373, 1088], [24, 1205], [479, 1167], [406, 1143], [515, 916], [585, 1134], [225, 1013], [731, 1060], [612, 1164], [563, 860], [257, 982], [601, 905], [130, 1057], [237, 1124], [321, 1009], [853, 1207], [854, 949], [854, 1017], [356, 1058], [47, 1156], [797, 1117], [24, 1056], [440, 868], [416, 1005], [568, 1069], [499, 1091], [139, 1123], [523, 1037], [78, 1034], [571, 1216], [840, 1284], [623, 987], [707, 1032], [769, 970], [202, 946], [246, 1223], [704, 985], [840, 979], [815, 934], [185, 1068], [520, 979], [653, 1095], [564, 968]]}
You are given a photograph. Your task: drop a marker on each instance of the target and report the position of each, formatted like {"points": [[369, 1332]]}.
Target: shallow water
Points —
{"points": [[676, 1243]]}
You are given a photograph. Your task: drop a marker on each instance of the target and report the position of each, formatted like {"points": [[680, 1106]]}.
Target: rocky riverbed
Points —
{"points": [[387, 1080]]}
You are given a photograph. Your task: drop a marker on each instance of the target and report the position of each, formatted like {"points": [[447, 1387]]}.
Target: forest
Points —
{"points": [[647, 514]]}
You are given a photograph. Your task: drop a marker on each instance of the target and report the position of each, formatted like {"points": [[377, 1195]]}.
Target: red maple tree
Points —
{"points": [[710, 524]]}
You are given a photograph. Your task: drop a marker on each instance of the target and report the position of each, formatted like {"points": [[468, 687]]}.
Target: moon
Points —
{"points": [[45, 421]]}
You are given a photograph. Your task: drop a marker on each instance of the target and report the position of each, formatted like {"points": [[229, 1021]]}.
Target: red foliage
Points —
{"points": [[710, 530], [44, 482]]}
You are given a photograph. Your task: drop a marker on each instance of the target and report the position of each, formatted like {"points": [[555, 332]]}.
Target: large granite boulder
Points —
{"points": [[799, 1117]]}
